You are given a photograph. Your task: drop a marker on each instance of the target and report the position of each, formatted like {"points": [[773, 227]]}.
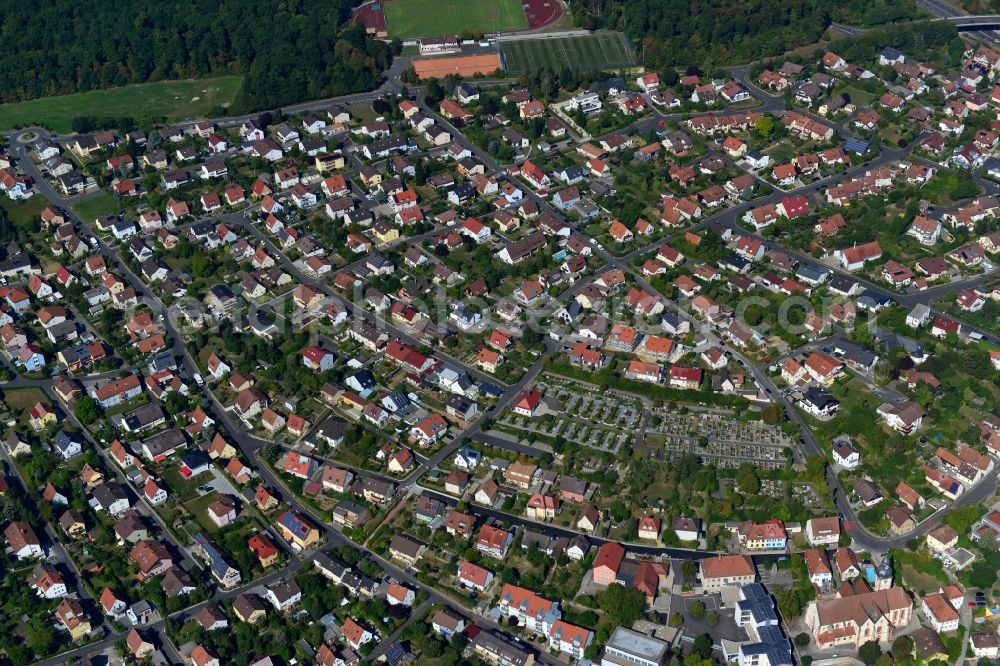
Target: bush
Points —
{"points": [[869, 653]]}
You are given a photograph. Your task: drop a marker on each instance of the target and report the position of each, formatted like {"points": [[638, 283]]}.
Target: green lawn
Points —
{"points": [[21, 400], [586, 53], [363, 112], [199, 509], [172, 99], [858, 96], [947, 181], [23, 213], [429, 18], [185, 489], [94, 207]]}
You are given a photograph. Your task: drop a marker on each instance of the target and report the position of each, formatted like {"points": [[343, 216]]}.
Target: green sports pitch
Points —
{"points": [[429, 18], [584, 53]]}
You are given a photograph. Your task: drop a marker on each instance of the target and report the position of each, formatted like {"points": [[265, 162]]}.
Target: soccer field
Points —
{"points": [[429, 18], [587, 53]]}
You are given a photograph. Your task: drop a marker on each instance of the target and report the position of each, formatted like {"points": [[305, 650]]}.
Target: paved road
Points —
{"points": [[250, 446], [731, 218], [944, 9], [387, 642]]}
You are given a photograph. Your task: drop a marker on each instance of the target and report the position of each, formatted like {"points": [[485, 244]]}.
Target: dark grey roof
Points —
{"points": [[819, 398]]}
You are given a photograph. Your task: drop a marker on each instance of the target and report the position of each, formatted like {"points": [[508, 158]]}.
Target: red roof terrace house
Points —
{"points": [[607, 562], [493, 541], [429, 430], [534, 175]]}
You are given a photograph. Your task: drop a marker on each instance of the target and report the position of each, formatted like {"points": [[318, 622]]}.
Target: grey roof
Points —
{"points": [[336, 568], [867, 490], [856, 353], [332, 428], [813, 273], [364, 378], [222, 292], [890, 341], [285, 589], [165, 441], [143, 416], [108, 493], [507, 651], [633, 643], [842, 284], [64, 441], [819, 397]]}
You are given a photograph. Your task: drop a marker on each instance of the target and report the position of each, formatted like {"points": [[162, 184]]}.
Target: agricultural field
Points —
{"points": [[428, 18], [173, 100], [586, 53]]}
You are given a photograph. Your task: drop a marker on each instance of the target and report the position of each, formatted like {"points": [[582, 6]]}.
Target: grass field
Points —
{"points": [[96, 206], [21, 400], [587, 53], [199, 509], [172, 99], [25, 212], [858, 96], [429, 18]]}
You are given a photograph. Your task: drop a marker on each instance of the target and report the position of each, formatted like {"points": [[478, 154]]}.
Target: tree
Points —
{"points": [[712, 618], [676, 619], [433, 91], [689, 568], [698, 609], [772, 414], [982, 575], [702, 646], [764, 125], [746, 478], [965, 187], [430, 647], [624, 605], [902, 648], [869, 653], [788, 604], [962, 518], [41, 637], [86, 410], [19, 654], [802, 639]]}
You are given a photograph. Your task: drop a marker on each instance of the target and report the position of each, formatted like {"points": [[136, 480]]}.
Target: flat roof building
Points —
{"points": [[628, 648]]}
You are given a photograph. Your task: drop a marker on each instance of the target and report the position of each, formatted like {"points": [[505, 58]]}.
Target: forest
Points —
{"points": [[721, 32], [286, 50]]}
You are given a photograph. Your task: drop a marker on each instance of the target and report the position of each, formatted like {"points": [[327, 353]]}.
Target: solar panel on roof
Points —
{"points": [[856, 146]]}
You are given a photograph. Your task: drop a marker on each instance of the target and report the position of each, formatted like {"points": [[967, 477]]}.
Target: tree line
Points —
{"points": [[287, 51], [709, 33]]}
